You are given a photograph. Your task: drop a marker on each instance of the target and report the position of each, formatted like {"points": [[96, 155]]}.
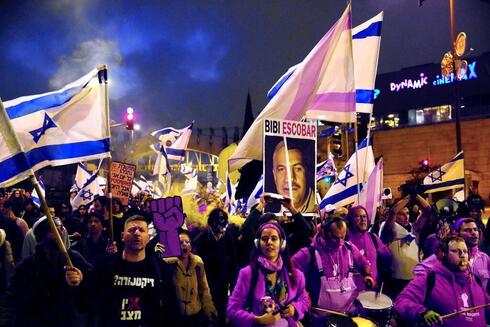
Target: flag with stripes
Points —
{"points": [[366, 40], [351, 178], [88, 186], [35, 197], [61, 127], [174, 141], [448, 176], [321, 87], [370, 196]]}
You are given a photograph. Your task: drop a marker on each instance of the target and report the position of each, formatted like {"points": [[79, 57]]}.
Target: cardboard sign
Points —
{"points": [[122, 175], [290, 164]]}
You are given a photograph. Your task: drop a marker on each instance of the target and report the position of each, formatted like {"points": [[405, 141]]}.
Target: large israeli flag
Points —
{"points": [[321, 87], [366, 39], [174, 141], [351, 178], [13, 162], [66, 126]]}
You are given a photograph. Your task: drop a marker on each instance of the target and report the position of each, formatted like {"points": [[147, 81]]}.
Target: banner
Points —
{"points": [[290, 163], [122, 175]]}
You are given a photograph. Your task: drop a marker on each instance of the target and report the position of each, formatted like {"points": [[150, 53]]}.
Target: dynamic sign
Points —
{"points": [[423, 80]]}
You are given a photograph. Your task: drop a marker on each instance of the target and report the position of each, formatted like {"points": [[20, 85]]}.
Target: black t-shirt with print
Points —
{"points": [[127, 293]]}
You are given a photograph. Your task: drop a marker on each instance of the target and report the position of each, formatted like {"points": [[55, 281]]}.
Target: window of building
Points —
{"points": [[389, 121], [429, 115]]}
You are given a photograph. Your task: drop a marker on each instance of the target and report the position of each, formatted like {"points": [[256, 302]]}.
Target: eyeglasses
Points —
{"points": [[361, 217]]}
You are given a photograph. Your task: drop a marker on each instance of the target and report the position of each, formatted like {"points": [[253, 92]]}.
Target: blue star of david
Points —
{"points": [[86, 195], [47, 123], [436, 175], [343, 180]]}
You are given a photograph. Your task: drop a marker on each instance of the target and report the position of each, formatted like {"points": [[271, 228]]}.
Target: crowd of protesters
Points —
{"points": [[419, 263]]}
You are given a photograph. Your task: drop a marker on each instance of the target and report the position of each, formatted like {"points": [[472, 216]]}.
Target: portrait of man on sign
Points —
{"points": [[297, 184]]}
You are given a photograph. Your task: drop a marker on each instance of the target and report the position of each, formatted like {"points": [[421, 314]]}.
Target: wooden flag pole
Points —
{"points": [[103, 71], [16, 143], [50, 219]]}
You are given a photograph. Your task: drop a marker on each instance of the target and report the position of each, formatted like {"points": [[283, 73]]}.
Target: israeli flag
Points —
{"points": [[14, 167], [174, 141], [61, 127], [254, 197], [35, 197], [88, 184], [366, 40], [351, 178]]}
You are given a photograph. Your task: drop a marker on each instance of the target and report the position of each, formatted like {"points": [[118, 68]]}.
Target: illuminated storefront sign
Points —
{"points": [[424, 80]]}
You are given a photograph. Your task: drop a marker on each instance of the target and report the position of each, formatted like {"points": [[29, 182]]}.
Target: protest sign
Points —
{"points": [[290, 164], [122, 175]]}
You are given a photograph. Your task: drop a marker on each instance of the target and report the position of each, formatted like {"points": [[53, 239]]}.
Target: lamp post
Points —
{"points": [[455, 77]]}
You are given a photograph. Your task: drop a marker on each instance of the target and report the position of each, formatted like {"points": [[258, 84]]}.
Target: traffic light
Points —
{"points": [[337, 142], [425, 165], [129, 119]]}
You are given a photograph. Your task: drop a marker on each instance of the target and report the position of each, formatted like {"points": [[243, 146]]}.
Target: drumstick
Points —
{"points": [[380, 290], [331, 312], [465, 310]]}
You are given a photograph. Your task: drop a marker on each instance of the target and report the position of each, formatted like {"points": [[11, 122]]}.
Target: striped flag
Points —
{"points": [[370, 196], [355, 172], [366, 39], [13, 162], [35, 197], [62, 127], [321, 87], [174, 141], [448, 176], [88, 185]]}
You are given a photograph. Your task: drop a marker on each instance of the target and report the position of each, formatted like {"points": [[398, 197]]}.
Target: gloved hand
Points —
{"points": [[432, 317]]}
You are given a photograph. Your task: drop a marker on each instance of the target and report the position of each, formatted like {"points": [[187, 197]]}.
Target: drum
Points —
{"points": [[364, 322], [377, 308]]}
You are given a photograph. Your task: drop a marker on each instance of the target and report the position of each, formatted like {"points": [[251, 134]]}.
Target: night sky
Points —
{"points": [[175, 61]]}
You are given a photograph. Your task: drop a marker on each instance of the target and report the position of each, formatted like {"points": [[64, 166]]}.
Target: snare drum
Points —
{"points": [[364, 322], [377, 308]]}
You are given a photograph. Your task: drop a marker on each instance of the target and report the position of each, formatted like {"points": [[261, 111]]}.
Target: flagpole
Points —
{"points": [[103, 69], [288, 170], [40, 194], [357, 161]]}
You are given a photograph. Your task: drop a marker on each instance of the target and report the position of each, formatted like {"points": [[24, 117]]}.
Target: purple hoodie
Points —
{"points": [[479, 265], [329, 257], [364, 243], [452, 291], [237, 311]]}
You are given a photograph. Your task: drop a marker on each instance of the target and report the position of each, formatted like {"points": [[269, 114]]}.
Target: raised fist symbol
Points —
{"points": [[168, 216]]}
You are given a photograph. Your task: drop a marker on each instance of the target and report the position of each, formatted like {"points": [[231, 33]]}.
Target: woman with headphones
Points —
{"points": [[269, 291]]}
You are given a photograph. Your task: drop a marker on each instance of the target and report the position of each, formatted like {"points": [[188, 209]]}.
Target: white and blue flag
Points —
{"points": [[14, 167], [35, 197], [88, 186], [366, 40], [254, 197], [61, 127], [174, 141], [356, 171]]}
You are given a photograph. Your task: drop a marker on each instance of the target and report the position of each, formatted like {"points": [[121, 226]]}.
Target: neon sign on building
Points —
{"points": [[407, 84]]}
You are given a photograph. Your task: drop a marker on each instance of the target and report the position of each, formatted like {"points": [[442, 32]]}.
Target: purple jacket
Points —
{"points": [[236, 310], [451, 292], [364, 243], [303, 260], [479, 265]]}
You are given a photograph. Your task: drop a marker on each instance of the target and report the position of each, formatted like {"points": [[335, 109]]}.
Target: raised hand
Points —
{"points": [[168, 216]]}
